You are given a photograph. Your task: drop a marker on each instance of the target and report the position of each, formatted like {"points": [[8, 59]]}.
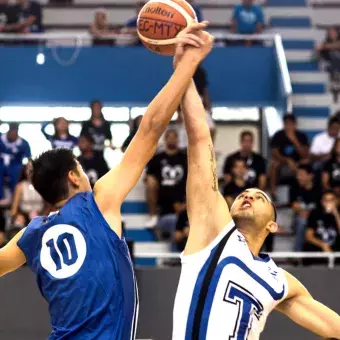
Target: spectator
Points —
{"points": [[100, 29], [9, 17], [238, 182], [130, 26], [97, 127], [331, 171], [289, 147], [329, 51], [133, 129], [324, 226], [304, 196], [323, 142], [31, 16], [16, 149], [182, 231], [26, 201], [93, 163], [62, 137], [256, 164], [165, 184], [197, 10], [247, 18]]}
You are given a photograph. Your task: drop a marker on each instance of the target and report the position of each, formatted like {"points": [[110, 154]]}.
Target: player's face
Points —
{"points": [[252, 205]]}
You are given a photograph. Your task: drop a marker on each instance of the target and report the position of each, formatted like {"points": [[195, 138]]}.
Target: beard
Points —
{"points": [[242, 217]]}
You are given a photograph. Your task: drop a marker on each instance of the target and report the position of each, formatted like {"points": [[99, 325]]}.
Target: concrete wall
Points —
{"points": [[24, 315]]}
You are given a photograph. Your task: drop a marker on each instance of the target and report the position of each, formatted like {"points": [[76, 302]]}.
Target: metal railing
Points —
{"points": [[331, 257]]}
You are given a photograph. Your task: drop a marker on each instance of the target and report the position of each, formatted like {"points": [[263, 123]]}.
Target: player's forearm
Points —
{"points": [[162, 108]]}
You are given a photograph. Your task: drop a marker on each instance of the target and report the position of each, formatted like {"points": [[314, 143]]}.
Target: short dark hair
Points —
{"points": [[327, 192], [306, 167], [14, 126], [289, 117], [238, 159], [88, 137], [50, 172], [333, 120], [246, 133]]}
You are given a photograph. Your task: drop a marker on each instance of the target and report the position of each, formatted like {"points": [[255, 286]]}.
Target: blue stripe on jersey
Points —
{"points": [[196, 294], [213, 285]]}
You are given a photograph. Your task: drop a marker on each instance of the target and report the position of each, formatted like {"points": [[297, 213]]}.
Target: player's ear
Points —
{"points": [[272, 227], [74, 178]]}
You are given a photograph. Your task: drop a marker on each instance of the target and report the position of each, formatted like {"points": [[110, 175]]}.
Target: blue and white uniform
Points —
{"points": [[225, 292], [84, 272]]}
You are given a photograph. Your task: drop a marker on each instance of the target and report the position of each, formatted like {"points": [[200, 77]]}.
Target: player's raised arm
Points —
{"points": [[207, 210], [307, 312], [111, 190]]}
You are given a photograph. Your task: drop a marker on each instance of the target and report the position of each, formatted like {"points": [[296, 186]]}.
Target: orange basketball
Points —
{"points": [[160, 21]]}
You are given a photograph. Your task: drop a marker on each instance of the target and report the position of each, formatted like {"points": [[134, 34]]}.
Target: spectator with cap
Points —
{"points": [[256, 164], [323, 142], [289, 147], [15, 150], [304, 196], [62, 137]]}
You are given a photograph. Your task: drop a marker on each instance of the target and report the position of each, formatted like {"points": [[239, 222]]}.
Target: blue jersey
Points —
{"points": [[84, 271]]}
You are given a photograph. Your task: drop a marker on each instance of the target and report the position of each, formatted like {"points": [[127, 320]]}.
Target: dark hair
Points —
{"points": [[275, 211], [23, 173], [238, 159], [88, 137], [333, 151], [333, 120], [246, 133], [13, 126], [101, 107], [55, 122], [306, 167], [50, 174], [327, 192], [169, 131], [289, 117]]}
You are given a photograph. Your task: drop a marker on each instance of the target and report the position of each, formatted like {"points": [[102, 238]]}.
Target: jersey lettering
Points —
{"points": [[63, 251], [248, 306]]}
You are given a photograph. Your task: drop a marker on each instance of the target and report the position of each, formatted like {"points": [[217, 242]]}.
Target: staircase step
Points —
{"points": [[312, 124], [299, 55], [309, 77], [290, 44], [308, 88], [315, 112], [289, 12], [294, 34], [303, 66], [298, 22], [312, 100]]}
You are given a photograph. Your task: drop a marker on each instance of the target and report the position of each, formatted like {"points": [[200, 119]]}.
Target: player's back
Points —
{"points": [[84, 272], [225, 292]]}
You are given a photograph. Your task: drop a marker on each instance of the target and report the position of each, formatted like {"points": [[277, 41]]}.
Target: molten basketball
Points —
{"points": [[160, 21]]}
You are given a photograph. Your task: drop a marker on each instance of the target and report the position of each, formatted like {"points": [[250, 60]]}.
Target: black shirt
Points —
{"points": [[34, 9], [233, 190], [286, 147], [200, 80], [325, 227], [99, 133], [95, 167], [9, 14], [332, 167], [256, 166], [182, 223], [171, 173], [309, 199]]}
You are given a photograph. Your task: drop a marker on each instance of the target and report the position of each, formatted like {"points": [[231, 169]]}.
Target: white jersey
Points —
{"points": [[225, 292]]}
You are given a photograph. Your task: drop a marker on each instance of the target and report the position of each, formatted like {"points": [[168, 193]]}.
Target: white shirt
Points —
{"points": [[241, 291], [322, 144]]}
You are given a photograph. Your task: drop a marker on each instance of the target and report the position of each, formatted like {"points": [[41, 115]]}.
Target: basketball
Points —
{"points": [[160, 21]]}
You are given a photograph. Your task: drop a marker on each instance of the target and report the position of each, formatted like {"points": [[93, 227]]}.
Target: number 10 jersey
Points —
{"points": [[225, 292], [84, 271]]}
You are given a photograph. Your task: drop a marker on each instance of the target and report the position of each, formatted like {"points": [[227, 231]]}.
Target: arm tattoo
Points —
{"points": [[213, 167]]}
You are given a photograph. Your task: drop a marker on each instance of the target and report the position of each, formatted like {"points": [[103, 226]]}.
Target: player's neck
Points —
{"points": [[254, 240], [60, 204]]}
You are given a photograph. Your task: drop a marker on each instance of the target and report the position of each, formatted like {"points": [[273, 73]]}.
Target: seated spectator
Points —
{"points": [[166, 176], [26, 201], [331, 170], [98, 128], [329, 51], [15, 150], [31, 16], [9, 17], [247, 18], [100, 29], [133, 129], [238, 182], [130, 26], [289, 148], [92, 162], [182, 231], [62, 137], [304, 196], [197, 10], [323, 226], [256, 164], [323, 142]]}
